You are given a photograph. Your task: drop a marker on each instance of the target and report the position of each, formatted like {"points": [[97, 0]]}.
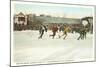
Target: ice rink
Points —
{"points": [[28, 49]]}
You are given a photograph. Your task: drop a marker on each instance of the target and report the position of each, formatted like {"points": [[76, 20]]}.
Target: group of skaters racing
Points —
{"points": [[65, 29]]}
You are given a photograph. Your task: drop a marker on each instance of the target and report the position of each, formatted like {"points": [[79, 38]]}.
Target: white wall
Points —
{"points": [[5, 33]]}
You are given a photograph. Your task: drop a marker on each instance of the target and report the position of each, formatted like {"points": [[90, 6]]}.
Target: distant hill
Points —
{"points": [[59, 20]]}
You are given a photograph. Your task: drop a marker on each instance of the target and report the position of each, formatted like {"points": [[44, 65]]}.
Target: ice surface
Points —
{"points": [[28, 49]]}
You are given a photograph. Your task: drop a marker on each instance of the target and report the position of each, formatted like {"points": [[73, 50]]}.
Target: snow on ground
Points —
{"points": [[28, 49]]}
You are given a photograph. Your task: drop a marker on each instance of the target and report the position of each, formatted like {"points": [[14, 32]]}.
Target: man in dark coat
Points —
{"points": [[41, 31]]}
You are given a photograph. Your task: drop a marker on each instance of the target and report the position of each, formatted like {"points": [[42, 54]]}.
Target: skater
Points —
{"points": [[82, 32], [54, 30], [41, 31], [64, 32]]}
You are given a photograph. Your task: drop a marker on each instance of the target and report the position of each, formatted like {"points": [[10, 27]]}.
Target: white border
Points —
{"points": [[51, 4]]}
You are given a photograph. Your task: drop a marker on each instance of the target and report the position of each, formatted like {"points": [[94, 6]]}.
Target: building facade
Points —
{"points": [[20, 18]]}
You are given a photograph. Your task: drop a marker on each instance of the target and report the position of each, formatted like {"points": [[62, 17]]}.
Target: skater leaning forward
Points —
{"points": [[65, 31], [54, 30], [41, 31], [82, 32]]}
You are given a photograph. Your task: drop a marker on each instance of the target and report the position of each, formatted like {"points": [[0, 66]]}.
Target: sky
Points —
{"points": [[57, 10]]}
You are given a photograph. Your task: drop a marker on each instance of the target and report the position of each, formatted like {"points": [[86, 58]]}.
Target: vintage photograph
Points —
{"points": [[51, 33]]}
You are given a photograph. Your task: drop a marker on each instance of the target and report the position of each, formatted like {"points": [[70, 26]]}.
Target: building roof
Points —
{"points": [[20, 15]]}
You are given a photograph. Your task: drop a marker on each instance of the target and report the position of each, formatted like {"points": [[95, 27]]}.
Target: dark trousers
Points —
{"points": [[41, 34], [81, 36]]}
